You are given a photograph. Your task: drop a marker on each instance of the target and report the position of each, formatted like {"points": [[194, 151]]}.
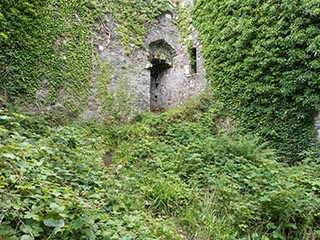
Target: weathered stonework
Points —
{"points": [[177, 84], [159, 76]]}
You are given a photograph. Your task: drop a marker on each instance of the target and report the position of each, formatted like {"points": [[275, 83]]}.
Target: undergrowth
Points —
{"points": [[177, 175]]}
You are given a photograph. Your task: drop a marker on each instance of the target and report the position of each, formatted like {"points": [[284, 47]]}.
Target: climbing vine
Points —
{"points": [[135, 16], [46, 53], [263, 60], [116, 102], [185, 25]]}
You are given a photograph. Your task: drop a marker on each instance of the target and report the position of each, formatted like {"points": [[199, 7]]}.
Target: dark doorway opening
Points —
{"points": [[157, 73], [161, 56]]}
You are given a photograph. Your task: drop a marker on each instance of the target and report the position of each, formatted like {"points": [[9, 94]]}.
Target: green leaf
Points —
{"points": [[26, 228], [26, 237], [30, 215], [51, 222], [9, 155], [4, 117], [77, 223], [57, 224], [56, 208], [278, 235], [90, 234]]}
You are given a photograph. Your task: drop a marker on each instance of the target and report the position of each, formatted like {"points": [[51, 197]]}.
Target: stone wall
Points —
{"points": [[159, 76]]}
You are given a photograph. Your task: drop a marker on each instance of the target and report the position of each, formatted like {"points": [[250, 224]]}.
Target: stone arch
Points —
{"points": [[161, 55]]}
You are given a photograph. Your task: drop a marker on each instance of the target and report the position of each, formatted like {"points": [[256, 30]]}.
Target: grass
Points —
{"points": [[176, 175]]}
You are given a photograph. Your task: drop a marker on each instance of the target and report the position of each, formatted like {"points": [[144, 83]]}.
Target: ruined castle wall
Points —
{"points": [[132, 67]]}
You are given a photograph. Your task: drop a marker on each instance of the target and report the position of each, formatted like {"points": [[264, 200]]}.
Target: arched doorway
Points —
{"points": [[161, 58]]}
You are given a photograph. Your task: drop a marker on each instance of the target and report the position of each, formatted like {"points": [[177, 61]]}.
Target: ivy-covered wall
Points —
{"points": [[47, 53], [263, 59], [88, 58]]}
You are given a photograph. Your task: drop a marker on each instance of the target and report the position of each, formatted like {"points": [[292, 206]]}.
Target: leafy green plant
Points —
{"points": [[53, 185], [228, 186], [172, 176], [263, 64]]}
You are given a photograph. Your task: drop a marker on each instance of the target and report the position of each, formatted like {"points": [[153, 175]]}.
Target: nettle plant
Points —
{"points": [[262, 58]]}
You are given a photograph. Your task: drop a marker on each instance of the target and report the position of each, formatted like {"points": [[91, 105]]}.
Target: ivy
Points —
{"points": [[184, 23], [46, 54], [262, 58], [115, 102], [135, 16]]}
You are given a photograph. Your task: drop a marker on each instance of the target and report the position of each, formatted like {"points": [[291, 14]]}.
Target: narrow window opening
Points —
{"points": [[193, 59]]}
